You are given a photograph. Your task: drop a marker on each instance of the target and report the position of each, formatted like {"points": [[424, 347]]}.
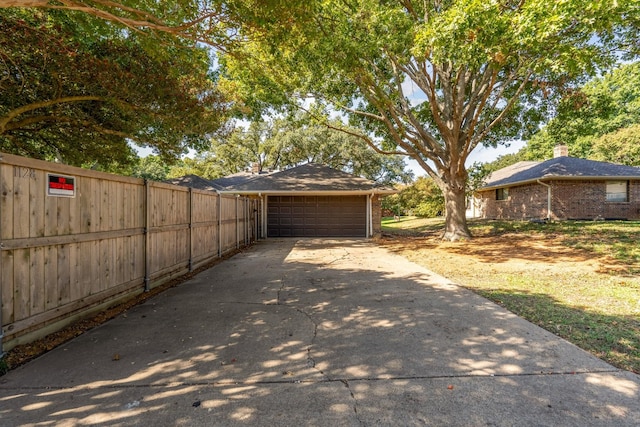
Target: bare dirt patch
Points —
{"points": [[585, 296], [507, 252]]}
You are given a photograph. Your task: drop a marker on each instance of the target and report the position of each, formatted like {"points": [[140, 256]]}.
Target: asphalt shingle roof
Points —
{"points": [[195, 181], [236, 179], [559, 167], [310, 177]]}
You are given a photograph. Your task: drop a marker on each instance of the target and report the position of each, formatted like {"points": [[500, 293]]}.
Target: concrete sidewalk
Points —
{"points": [[318, 333]]}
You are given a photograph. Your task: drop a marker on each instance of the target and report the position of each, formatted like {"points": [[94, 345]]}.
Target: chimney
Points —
{"points": [[255, 167], [560, 151]]}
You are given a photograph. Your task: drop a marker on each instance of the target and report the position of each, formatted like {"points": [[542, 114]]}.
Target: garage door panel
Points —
{"points": [[316, 216]]}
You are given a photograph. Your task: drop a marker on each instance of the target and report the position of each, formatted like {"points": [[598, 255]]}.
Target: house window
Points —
{"points": [[502, 194], [617, 191]]}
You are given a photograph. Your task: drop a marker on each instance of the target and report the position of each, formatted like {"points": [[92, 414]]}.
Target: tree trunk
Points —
{"points": [[455, 206]]}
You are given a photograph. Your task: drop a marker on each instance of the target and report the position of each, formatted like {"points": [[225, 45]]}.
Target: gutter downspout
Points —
{"points": [[261, 219], [548, 198], [371, 214]]}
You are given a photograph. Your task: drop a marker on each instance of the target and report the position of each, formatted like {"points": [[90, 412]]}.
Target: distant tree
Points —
{"points": [[284, 142], [478, 172], [151, 167], [81, 99], [604, 106], [422, 198], [622, 146]]}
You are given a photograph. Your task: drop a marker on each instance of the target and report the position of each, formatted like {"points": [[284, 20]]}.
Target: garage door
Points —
{"points": [[317, 216]]}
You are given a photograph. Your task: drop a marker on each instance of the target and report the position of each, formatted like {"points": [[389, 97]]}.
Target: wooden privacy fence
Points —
{"points": [[73, 241]]}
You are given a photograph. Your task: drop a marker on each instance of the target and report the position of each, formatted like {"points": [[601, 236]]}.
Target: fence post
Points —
{"points": [[219, 225], [237, 217], [147, 234], [190, 229], [247, 220], [1, 330]]}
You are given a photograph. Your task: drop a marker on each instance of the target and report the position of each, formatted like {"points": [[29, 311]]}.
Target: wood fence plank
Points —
{"points": [[96, 267], [64, 212], [119, 202], [7, 288], [84, 205], [127, 209], [22, 294], [139, 208], [51, 277], [21, 205], [105, 273], [6, 201], [94, 206], [120, 257], [85, 268], [36, 204], [105, 208], [36, 278], [139, 262], [64, 274], [75, 278], [51, 216], [73, 217], [113, 259]]}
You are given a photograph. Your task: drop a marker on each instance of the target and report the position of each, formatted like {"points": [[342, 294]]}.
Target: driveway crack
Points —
{"points": [[355, 401], [311, 362]]}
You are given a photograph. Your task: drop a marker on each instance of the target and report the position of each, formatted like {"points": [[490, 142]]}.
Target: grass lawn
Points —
{"points": [[577, 279]]}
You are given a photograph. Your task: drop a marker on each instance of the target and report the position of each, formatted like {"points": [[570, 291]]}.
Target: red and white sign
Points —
{"points": [[61, 185]]}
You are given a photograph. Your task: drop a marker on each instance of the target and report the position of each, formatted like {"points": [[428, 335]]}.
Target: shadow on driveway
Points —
{"points": [[318, 332]]}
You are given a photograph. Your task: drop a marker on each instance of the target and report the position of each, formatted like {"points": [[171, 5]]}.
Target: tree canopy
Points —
{"points": [[597, 121], [80, 99], [202, 20], [283, 142], [431, 80]]}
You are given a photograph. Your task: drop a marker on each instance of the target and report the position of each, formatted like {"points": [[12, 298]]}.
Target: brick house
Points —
{"points": [[561, 188]]}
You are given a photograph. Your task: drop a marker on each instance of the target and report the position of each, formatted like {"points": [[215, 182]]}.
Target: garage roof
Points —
{"points": [[309, 178], [195, 181]]}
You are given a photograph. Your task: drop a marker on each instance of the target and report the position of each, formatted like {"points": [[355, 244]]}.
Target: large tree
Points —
{"points": [[81, 99], [429, 79]]}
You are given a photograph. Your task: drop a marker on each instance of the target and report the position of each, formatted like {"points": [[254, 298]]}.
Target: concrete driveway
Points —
{"points": [[318, 333]]}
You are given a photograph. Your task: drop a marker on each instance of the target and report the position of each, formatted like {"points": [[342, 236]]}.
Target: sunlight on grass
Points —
{"points": [[577, 279], [411, 225]]}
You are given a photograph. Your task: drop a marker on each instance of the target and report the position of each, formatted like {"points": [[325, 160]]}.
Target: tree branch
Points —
{"points": [[4, 121], [140, 19]]}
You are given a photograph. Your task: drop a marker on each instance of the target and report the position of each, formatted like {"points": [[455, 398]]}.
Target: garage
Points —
{"points": [[317, 216], [311, 200]]}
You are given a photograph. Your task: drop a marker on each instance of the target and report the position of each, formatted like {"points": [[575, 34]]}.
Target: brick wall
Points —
{"points": [[376, 215], [524, 202], [570, 200]]}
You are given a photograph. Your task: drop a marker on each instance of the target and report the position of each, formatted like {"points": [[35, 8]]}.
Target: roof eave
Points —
{"points": [[557, 178], [310, 192]]}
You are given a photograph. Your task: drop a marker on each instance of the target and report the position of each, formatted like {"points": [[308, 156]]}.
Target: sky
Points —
{"points": [[480, 154]]}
